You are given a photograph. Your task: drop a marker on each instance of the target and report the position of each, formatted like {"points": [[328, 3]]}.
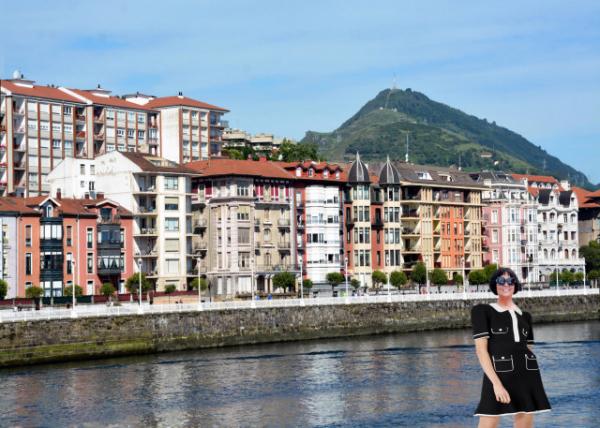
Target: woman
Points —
{"points": [[503, 335]]}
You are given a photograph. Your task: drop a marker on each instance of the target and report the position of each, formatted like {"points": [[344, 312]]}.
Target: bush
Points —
{"points": [[477, 277], [170, 288], [379, 278], [579, 277], [355, 283], [132, 283], [203, 284], [307, 283], [488, 271], [3, 289], [458, 279], [567, 277], [284, 280], [107, 289], [68, 291], [34, 292]]}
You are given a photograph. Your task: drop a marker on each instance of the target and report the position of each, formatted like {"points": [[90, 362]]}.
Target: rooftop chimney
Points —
{"points": [[100, 195], [58, 194]]}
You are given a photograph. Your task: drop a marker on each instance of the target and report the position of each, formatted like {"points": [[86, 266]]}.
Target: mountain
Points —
{"points": [[438, 135]]}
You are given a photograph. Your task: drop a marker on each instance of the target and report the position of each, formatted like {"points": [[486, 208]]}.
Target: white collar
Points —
{"points": [[501, 309]]}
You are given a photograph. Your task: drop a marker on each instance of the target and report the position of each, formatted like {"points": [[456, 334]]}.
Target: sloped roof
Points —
{"points": [[149, 163], [536, 178], [358, 172], [46, 92], [66, 206], [251, 168], [585, 198], [112, 100], [389, 174], [16, 205], [180, 100]]}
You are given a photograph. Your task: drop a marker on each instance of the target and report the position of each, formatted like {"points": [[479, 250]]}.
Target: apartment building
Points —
{"points": [[558, 235], [510, 224], [158, 193], [190, 129], [244, 224], [41, 125], [318, 190], [264, 144], [588, 215], [411, 213], [57, 242]]}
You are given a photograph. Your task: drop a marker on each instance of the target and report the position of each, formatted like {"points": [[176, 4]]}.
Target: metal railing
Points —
{"points": [[134, 309]]}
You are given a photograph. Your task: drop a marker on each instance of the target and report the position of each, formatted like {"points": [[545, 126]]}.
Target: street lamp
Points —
{"points": [[73, 264], [346, 276], [427, 274], [464, 277], [556, 255], [140, 285], [253, 303], [301, 281], [199, 287]]}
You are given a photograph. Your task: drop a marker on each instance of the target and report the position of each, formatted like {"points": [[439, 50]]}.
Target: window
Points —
{"points": [[362, 258], [82, 169], [120, 132], [130, 133], [141, 134], [172, 266], [69, 236], [92, 169], [51, 231], [28, 264], [56, 144], [243, 235], [243, 189], [172, 245], [82, 184], [171, 183], [172, 224], [90, 263], [171, 204], [67, 110], [495, 236], [90, 237], [28, 236], [494, 216], [141, 118], [91, 185]]}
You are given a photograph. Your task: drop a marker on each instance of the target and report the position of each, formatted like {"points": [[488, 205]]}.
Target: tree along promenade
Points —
{"points": [[85, 311]]}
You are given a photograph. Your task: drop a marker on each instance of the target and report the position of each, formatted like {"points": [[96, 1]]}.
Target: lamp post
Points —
{"points": [[584, 278], [301, 282], [253, 303], [73, 299], [346, 276], [464, 278], [199, 287], [556, 255], [140, 285], [427, 274]]}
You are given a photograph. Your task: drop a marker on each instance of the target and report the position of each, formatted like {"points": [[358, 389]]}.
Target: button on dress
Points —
{"points": [[508, 332]]}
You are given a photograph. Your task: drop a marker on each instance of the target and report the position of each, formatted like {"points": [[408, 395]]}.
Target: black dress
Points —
{"points": [[508, 333]]}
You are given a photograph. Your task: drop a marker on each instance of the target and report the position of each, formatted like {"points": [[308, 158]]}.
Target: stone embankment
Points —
{"points": [[32, 342]]}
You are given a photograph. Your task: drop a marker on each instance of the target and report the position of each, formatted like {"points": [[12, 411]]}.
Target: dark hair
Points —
{"points": [[500, 272]]}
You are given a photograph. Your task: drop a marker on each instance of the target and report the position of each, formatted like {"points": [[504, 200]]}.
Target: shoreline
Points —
{"points": [[59, 340]]}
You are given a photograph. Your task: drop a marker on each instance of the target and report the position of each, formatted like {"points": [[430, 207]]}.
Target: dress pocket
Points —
{"points": [[499, 330], [531, 362], [503, 363]]}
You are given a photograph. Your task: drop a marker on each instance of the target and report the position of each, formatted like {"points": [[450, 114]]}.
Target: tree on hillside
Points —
{"points": [[398, 279], [378, 278], [132, 283], [334, 279], [290, 152], [284, 280], [3, 289]]}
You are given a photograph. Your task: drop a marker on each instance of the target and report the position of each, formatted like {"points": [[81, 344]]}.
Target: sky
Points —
{"points": [[288, 67]]}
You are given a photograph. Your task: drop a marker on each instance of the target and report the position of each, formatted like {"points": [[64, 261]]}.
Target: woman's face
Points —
{"points": [[505, 286]]}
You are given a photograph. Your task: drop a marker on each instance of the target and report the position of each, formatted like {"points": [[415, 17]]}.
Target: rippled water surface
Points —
{"points": [[427, 379]]}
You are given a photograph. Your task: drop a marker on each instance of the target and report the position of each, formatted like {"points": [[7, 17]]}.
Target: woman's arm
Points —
{"points": [[486, 364]]}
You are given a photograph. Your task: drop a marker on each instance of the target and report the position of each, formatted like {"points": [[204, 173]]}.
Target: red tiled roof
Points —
{"points": [[182, 101], [219, 167], [585, 198], [39, 92], [68, 206], [109, 101], [13, 204], [318, 167], [533, 191], [161, 165], [536, 178]]}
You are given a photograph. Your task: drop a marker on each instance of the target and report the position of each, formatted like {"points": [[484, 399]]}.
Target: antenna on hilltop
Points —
{"points": [[392, 89]]}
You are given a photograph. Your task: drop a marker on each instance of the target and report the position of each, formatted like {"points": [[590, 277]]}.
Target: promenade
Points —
{"points": [[134, 308]]}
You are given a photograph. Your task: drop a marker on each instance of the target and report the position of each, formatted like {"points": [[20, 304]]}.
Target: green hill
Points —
{"points": [[438, 135]]}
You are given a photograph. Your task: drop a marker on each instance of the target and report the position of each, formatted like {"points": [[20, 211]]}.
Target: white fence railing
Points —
{"points": [[81, 311]]}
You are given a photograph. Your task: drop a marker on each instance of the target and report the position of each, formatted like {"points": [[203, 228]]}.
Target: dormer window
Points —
{"points": [[446, 177], [326, 174], [48, 211], [337, 175], [311, 172], [298, 172], [423, 175]]}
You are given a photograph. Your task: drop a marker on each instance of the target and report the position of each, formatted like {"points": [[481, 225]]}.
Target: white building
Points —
{"points": [[157, 192], [71, 185]]}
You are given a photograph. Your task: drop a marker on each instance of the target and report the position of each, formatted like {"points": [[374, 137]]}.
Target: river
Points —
{"points": [[429, 379]]}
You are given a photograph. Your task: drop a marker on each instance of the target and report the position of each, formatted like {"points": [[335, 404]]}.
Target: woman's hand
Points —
{"points": [[501, 393]]}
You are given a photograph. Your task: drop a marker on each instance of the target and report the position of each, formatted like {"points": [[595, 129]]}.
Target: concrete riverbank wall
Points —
{"points": [[33, 342]]}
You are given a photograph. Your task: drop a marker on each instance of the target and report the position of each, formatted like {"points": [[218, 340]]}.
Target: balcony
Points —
{"points": [[147, 231], [200, 224], [200, 246], [110, 268], [283, 223], [146, 254], [284, 246], [113, 219], [377, 223], [414, 213], [146, 211], [349, 221]]}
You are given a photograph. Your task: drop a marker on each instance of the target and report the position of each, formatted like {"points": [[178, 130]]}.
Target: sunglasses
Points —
{"points": [[504, 281]]}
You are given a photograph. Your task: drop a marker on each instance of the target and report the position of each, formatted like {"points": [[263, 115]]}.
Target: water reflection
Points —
{"points": [[420, 379]]}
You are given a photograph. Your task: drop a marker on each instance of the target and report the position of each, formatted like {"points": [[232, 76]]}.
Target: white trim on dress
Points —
{"points": [[514, 413]]}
